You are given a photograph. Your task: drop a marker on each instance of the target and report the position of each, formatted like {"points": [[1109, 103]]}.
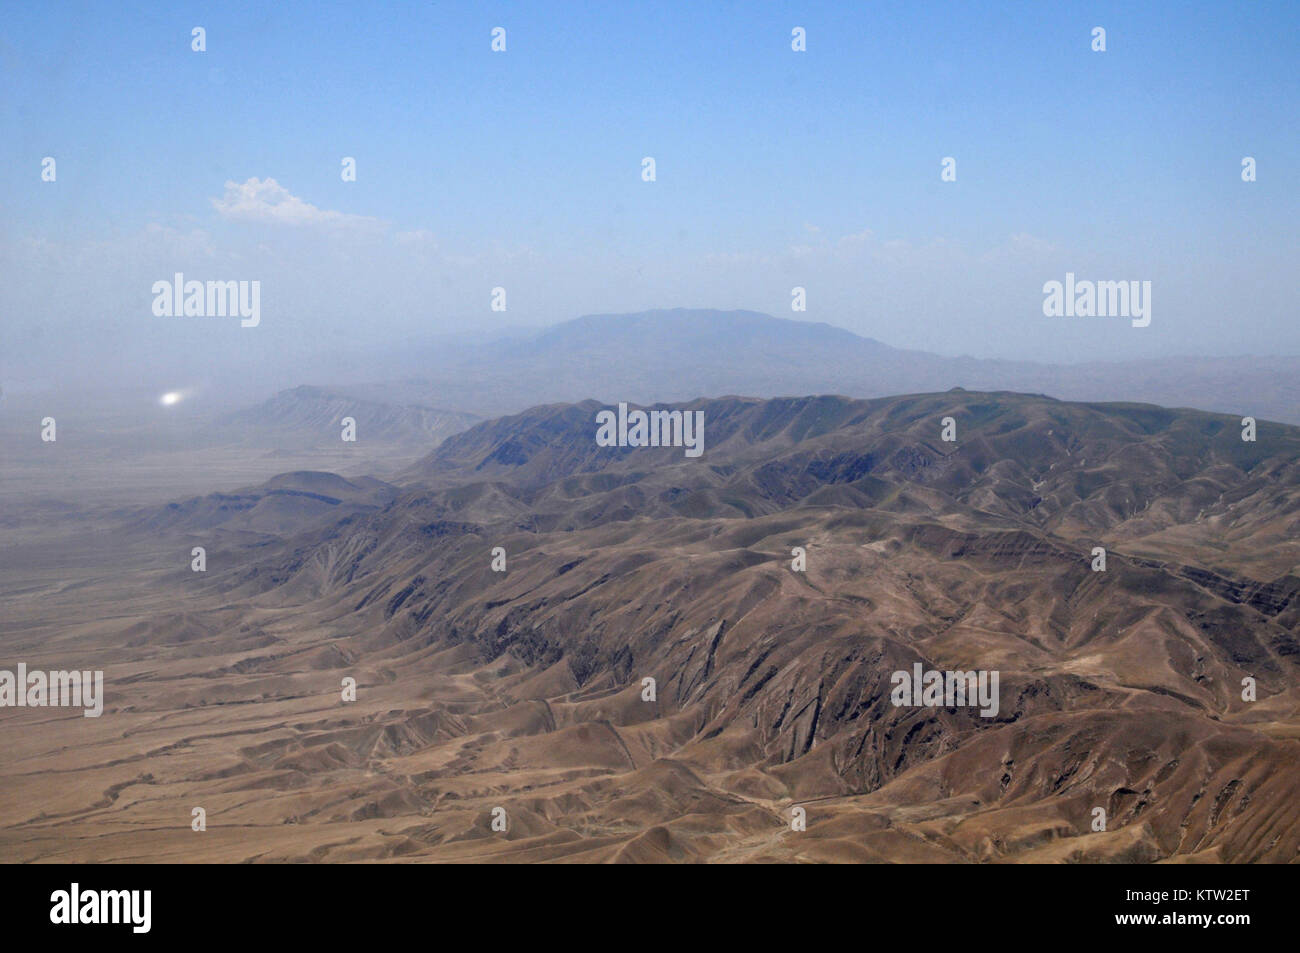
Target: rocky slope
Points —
{"points": [[525, 689]]}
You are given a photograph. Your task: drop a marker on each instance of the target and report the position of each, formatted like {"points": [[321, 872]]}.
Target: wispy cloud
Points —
{"points": [[266, 201]]}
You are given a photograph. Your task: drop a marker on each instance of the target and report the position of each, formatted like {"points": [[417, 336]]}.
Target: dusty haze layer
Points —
{"points": [[124, 446]]}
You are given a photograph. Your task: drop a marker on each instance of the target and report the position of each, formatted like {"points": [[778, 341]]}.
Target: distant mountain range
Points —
{"points": [[406, 404], [308, 416], [682, 354]]}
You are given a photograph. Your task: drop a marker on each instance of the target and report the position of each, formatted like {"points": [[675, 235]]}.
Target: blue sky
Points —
{"points": [[775, 168]]}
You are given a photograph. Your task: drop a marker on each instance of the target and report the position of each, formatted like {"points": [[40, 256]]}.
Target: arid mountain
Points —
{"points": [[124, 447], [524, 689], [681, 354], [288, 503], [311, 417]]}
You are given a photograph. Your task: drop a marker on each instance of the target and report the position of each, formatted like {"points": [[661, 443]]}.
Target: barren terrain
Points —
{"points": [[523, 689]]}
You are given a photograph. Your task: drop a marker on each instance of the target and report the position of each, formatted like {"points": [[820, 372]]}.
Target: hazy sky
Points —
{"points": [[522, 169]]}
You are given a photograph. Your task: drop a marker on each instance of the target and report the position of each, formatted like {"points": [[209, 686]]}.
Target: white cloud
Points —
{"points": [[268, 202]]}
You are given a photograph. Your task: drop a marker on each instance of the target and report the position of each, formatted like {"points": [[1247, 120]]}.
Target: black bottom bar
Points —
{"points": [[580, 904]]}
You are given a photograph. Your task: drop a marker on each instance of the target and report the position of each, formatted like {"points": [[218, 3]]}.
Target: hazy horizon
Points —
{"points": [[372, 362], [477, 170]]}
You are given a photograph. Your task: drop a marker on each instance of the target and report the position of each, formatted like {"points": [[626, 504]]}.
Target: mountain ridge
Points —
{"points": [[501, 612], [677, 354]]}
